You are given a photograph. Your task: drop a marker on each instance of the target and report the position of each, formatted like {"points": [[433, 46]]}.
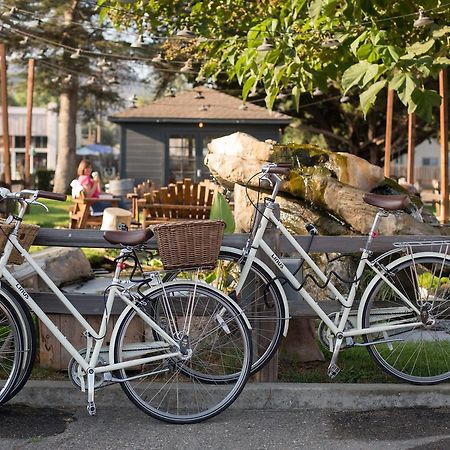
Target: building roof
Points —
{"points": [[207, 105]]}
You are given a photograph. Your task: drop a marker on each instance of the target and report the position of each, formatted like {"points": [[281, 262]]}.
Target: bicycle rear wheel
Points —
{"points": [[28, 332], [12, 347], [419, 353], [260, 299], [216, 343]]}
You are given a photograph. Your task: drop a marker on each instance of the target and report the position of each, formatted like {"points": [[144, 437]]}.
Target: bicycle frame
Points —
{"points": [[91, 361], [257, 241]]}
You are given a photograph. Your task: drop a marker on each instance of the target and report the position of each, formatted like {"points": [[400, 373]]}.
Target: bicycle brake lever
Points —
{"points": [[40, 204], [266, 178]]}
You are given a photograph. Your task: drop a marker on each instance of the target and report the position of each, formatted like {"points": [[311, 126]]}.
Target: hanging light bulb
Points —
{"points": [[41, 53], [133, 100], [203, 108], [76, 55], [172, 92], [112, 80], [186, 68], [138, 42], [317, 92], [199, 95], [185, 33], [101, 62], [68, 79], [54, 79], [24, 41], [158, 59], [330, 43], [90, 81], [344, 99], [265, 46], [423, 20]]}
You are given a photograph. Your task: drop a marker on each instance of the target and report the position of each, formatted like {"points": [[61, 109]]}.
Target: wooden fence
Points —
{"points": [[91, 306]]}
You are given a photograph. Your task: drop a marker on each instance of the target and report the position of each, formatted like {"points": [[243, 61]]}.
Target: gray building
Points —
{"points": [[167, 140]]}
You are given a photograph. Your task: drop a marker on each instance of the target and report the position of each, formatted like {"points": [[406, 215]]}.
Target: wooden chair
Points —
{"points": [[80, 214], [146, 187], [183, 200]]}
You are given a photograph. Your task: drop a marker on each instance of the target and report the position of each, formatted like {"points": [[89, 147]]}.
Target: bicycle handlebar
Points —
{"points": [[6, 193], [277, 168]]}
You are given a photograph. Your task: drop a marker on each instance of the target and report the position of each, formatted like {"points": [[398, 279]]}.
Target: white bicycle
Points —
{"points": [[402, 316], [181, 352]]}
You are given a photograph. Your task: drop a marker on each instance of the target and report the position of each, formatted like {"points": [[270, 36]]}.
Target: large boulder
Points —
{"points": [[324, 187]]}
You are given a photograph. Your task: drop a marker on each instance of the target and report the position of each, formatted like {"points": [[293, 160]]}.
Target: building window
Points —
{"points": [[181, 158], [430, 161], [36, 141]]}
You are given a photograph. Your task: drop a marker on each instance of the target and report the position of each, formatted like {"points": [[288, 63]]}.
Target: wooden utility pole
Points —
{"points": [[4, 95], [30, 88], [443, 91], [388, 136], [411, 147]]}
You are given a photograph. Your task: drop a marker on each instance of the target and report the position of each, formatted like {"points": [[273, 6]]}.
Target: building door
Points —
{"points": [[182, 161]]}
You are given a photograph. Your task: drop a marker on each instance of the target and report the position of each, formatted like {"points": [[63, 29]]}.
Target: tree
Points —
{"points": [[68, 44], [295, 48]]}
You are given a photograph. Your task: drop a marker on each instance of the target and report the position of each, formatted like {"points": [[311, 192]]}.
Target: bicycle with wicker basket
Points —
{"points": [[180, 350], [402, 315]]}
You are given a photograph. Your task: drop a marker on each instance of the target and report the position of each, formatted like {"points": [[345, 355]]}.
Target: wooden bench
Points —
{"points": [[183, 200], [80, 214], [146, 187]]}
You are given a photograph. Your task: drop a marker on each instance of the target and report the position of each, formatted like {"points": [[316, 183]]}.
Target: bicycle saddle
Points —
{"points": [[388, 202], [128, 237]]}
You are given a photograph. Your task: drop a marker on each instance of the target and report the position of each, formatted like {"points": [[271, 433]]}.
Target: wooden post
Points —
{"points": [[411, 146], [443, 88], [30, 88], [4, 95], [388, 136]]}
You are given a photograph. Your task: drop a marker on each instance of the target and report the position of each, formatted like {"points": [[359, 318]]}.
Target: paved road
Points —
{"points": [[23, 427]]}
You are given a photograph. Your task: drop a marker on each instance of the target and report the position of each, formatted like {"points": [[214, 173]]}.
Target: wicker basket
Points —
{"points": [[194, 243], [27, 233]]}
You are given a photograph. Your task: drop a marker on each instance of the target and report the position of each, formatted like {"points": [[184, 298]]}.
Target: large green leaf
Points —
{"points": [[422, 103], [354, 74], [220, 210], [367, 98], [419, 48]]}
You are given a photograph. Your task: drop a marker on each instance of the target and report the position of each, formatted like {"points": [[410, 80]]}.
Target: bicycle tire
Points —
{"points": [[12, 346], [260, 299], [172, 389], [419, 354], [29, 336]]}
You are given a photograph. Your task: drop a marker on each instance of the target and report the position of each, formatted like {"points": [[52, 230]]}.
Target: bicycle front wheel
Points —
{"points": [[12, 350], [415, 303], [214, 342], [260, 299]]}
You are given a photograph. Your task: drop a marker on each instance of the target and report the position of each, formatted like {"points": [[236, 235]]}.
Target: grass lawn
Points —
{"points": [[56, 217]]}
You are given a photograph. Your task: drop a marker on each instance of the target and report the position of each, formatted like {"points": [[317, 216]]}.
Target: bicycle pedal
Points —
{"points": [[91, 408], [333, 370]]}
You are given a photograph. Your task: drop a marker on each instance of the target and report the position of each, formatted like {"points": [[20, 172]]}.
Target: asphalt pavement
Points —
{"points": [[52, 415]]}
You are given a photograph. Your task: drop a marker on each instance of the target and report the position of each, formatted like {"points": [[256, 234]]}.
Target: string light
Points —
{"points": [[76, 55], [24, 41], [199, 95], [138, 42], [158, 59], [265, 46], [317, 92], [185, 33], [423, 20], [344, 99], [330, 43], [187, 68]]}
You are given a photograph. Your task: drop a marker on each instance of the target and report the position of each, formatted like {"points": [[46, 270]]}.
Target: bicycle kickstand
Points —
{"points": [[333, 368], [90, 382]]}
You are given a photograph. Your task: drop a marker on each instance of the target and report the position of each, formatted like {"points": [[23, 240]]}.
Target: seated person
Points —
{"points": [[90, 183]]}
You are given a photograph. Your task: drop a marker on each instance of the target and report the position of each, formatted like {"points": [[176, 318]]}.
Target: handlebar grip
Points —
{"points": [[52, 196], [281, 170]]}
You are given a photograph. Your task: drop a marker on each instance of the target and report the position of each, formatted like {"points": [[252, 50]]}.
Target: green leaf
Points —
{"points": [[393, 52], [441, 31], [314, 9], [443, 60], [419, 48], [220, 210], [271, 95], [248, 86], [371, 73], [367, 98], [397, 81], [354, 74], [422, 103], [404, 92], [355, 44], [296, 95]]}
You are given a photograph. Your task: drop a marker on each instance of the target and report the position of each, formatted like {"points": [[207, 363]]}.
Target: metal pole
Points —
{"points": [[388, 137], [443, 88], [4, 95], [411, 146], [29, 121]]}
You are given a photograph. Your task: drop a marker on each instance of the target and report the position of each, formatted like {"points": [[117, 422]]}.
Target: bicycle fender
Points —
{"points": [[272, 276], [376, 278]]}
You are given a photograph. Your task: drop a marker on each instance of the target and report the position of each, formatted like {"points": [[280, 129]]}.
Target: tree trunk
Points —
{"points": [[66, 161]]}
